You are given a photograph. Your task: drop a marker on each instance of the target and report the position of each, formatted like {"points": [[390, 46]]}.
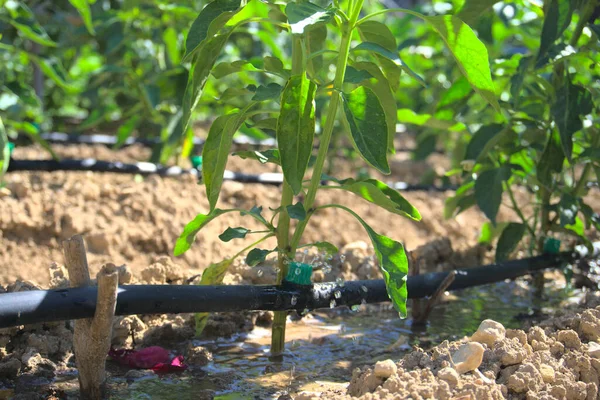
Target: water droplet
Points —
{"points": [[315, 260], [355, 307], [340, 282], [337, 294], [304, 312], [298, 271], [327, 268], [294, 300], [332, 304], [364, 289], [329, 257], [259, 272], [342, 257]]}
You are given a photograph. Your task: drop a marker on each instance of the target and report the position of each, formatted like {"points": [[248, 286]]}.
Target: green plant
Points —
{"points": [[360, 95], [549, 142]]}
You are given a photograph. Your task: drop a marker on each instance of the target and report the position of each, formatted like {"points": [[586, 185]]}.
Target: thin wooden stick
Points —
{"points": [[435, 298], [92, 337]]}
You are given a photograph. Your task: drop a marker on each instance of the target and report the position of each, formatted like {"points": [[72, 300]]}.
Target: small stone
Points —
{"points": [[547, 373], [198, 355], [385, 369], [489, 332], [449, 375], [594, 349], [307, 396], [468, 357], [134, 374]]}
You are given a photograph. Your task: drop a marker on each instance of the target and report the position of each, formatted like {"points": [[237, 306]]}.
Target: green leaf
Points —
{"points": [[356, 76], [489, 232], [270, 92], [185, 240], [171, 45], [390, 55], [223, 69], [379, 33], [210, 18], [393, 264], [556, 21], [408, 116], [488, 191], [216, 151], [551, 161], [591, 153], [378, 193], [384, 92], [202, 63], [297, 211], [460, 90], [213, 275], [256, 213], [5, 151], [263, 157], [305, 16], [483, 141], [366, 118], [508, 241], [470, 54], [275, 65], [516, 82], [54, 70], [296, 129], [472, 10], [577, 227], [572, 101], [315, 41], [568, 207], [233, 233], [452, 203], [23, 19], [256, 256], [83, 8], [326, 247], [125, 130]]}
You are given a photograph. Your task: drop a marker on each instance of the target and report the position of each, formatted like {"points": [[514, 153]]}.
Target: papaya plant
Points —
{"points": [[549, 142], [354, 81]]}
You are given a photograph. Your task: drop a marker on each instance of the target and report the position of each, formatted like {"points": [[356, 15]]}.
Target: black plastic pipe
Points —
{"points": [[145, 168], [30, 307]]}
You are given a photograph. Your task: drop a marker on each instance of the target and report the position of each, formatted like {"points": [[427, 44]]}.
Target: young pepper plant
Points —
{"points": [[549, 144], [360, 96]]}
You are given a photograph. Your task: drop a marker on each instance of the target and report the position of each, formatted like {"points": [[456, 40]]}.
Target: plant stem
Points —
{"points": [[518, 210], [329, 123], [585, 175], [283, 229]]}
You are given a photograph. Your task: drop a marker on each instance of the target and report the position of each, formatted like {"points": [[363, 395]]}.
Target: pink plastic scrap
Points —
{"points": [[155, 358]]}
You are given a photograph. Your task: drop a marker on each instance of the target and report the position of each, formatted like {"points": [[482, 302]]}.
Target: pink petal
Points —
{"points": [[156, 358]]}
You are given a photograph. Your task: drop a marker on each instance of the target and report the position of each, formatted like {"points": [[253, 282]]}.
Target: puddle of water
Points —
{"points": [[323, 348]]}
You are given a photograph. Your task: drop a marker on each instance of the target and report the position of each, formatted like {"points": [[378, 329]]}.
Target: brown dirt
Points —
{"points": [[556, 359], [127, 220]]}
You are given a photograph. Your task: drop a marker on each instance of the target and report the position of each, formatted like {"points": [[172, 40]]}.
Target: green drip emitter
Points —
{"points": [[299, 273], [196, 162], [551, 246], [11, 147]]}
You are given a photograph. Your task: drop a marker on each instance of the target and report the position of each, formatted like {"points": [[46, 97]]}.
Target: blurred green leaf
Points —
{"points": [[556, 21], [472, 10], [327, 247], [489, 232], [568, 207], [578, 228], [125, 130], [488, 191], [83, 7], [551, 161], [483, 141], [188, 236], [296, 129], [509, 239], [460, 90], [24, 20], [356, 76], [366, 118], [4, 147], [212, 275], [408, 116]]}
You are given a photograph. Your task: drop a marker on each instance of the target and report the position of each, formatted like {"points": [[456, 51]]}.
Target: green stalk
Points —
{"points": [[329, 123], [585, 175], [283, 230]]}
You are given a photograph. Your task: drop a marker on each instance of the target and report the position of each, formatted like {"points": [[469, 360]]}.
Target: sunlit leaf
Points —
{"points": [[188, 236], [378, 32], [83, 7], [408, 116], [296, 129], [305, 16], [489, 232], [5, 151], [366, 118], [212, 275], [24, 20], [263, 157]]}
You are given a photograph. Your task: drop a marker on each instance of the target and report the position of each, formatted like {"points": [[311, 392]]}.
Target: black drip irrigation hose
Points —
{"points": [[145, 168], [108, 140], [38, 306]]}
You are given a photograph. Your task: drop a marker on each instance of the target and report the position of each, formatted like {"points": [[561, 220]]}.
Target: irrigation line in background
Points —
{"points": [[31, 307], [145, 168]]}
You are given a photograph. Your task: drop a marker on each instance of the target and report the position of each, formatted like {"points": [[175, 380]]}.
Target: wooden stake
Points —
{"points": [[92, 337], [435, 298]]}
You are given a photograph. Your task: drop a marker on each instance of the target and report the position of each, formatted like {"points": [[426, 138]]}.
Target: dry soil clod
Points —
{"points": [[92, 337]]}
